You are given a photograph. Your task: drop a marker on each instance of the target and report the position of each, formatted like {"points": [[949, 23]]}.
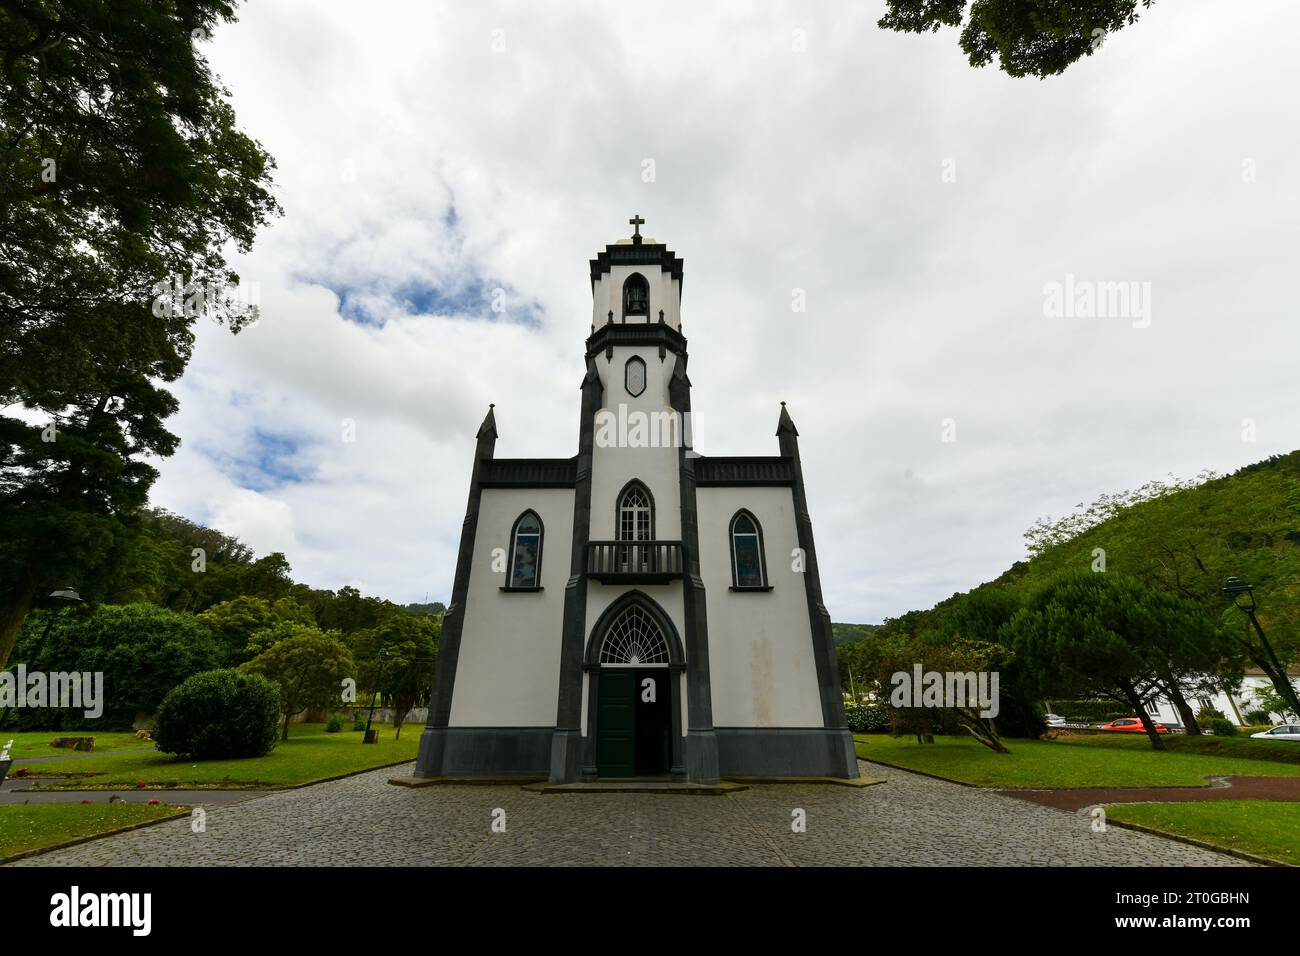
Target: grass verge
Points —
{"points": [[1076, 762], [307, 756], [1263, 827], [36, 826]]}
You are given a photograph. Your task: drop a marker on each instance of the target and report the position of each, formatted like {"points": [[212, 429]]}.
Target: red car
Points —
{"points": [[1132, 725]]}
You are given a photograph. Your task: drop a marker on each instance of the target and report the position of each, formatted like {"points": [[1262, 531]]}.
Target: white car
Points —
{"points": [[1054, 720], [1280, 732]]}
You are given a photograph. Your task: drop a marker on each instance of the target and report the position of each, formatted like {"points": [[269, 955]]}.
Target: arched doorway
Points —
{"points": [[634, 661]]}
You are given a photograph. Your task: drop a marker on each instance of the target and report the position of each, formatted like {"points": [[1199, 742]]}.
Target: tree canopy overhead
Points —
{"points": [[1027, 37], [124, 185]]}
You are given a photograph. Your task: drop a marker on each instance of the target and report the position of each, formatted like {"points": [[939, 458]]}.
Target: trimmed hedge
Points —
{"points": [[1090, 711], [867, 718], [217, 715]]}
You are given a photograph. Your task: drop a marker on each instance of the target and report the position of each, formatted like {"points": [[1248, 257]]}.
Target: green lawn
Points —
{"points": [[36, 743], [31, 826], [1081, 762], [1277, 751], [1263, 827], [309, 754]]}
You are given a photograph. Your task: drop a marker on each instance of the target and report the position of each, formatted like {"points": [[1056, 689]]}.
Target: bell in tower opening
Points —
{"points": [[636, 296]]}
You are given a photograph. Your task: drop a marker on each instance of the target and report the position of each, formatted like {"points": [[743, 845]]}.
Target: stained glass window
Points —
{"points": [[747, 551], [525, 565]]}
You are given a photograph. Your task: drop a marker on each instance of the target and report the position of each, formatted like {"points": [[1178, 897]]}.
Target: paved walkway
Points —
{"points": [[20, 794], [909, 820], [1285, 789]]}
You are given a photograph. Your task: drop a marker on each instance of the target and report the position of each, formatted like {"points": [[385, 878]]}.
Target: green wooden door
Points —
{"points": [[616, 722]]}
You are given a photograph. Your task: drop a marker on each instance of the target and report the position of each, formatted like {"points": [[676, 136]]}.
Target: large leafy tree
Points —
{"points": [[397, 659], [143, 652], [1027, 37], [1108, 636], [122, 174], [308, 665]]}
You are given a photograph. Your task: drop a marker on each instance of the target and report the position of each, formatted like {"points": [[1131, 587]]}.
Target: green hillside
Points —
{"points": [[1188, 538], [852, 633]]}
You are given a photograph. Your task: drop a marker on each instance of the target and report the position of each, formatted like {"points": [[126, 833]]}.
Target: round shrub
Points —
{"points": [[1221, 727], [219, 714], [335, 725], [1206, 716]]}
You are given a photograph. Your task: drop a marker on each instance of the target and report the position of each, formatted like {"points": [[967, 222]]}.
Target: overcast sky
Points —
{"points": [[431, 153]]}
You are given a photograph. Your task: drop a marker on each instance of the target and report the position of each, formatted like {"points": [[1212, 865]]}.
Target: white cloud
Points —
{"points": [[415, 160]]}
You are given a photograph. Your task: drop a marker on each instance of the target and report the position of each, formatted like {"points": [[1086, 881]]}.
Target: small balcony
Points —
{"points": [[634, 562]]}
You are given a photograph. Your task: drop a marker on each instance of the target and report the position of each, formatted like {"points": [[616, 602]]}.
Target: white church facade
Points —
{"points": [[638, 609]]}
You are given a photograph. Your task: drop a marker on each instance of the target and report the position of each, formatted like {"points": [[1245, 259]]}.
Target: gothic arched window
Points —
{"points": [[748, 569], [636, 512], [636, 296], [525, 571]]}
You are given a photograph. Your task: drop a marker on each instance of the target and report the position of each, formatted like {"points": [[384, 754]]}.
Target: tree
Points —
{"points": [[124, 180], [308, 665], [1099, 635], [235, 622], [405, 675], [143, 652], [1029, 37], [1186, 539]]}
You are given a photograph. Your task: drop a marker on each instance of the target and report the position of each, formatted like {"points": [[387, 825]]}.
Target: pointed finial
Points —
{"points": [[786, 423], [489, 426]]}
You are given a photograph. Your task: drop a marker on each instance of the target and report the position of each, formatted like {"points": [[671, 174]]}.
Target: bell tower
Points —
{"points": [[636, 281]]}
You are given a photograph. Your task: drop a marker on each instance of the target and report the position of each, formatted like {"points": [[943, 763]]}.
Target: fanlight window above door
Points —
{"points": [[634, 638]]}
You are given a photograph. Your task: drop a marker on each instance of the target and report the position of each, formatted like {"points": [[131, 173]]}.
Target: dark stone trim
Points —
{"points": [[530, 473], [533, 590], [640, 254], [763, 590], [618, 508], [592, 666], [492, 751], [819, 619], [514, 548], [749, 470], [566, 742], [431, 757], [731, 550], [702, 745], [659, 335], [786, 752]]}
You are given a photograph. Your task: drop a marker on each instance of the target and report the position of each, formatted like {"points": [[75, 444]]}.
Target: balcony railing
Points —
{"points": [[634, 562]]}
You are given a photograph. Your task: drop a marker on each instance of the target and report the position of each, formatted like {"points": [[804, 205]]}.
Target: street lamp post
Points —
{"points": [[1234, 589], [379, 680]]}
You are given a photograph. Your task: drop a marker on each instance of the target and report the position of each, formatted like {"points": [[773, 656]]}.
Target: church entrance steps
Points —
{"points": [[625, 785], [836, 781], [480, 781]]}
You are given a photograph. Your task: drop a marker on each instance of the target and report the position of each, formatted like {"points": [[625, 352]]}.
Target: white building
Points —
{"points": [[636, 609], [1234, 706]]}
